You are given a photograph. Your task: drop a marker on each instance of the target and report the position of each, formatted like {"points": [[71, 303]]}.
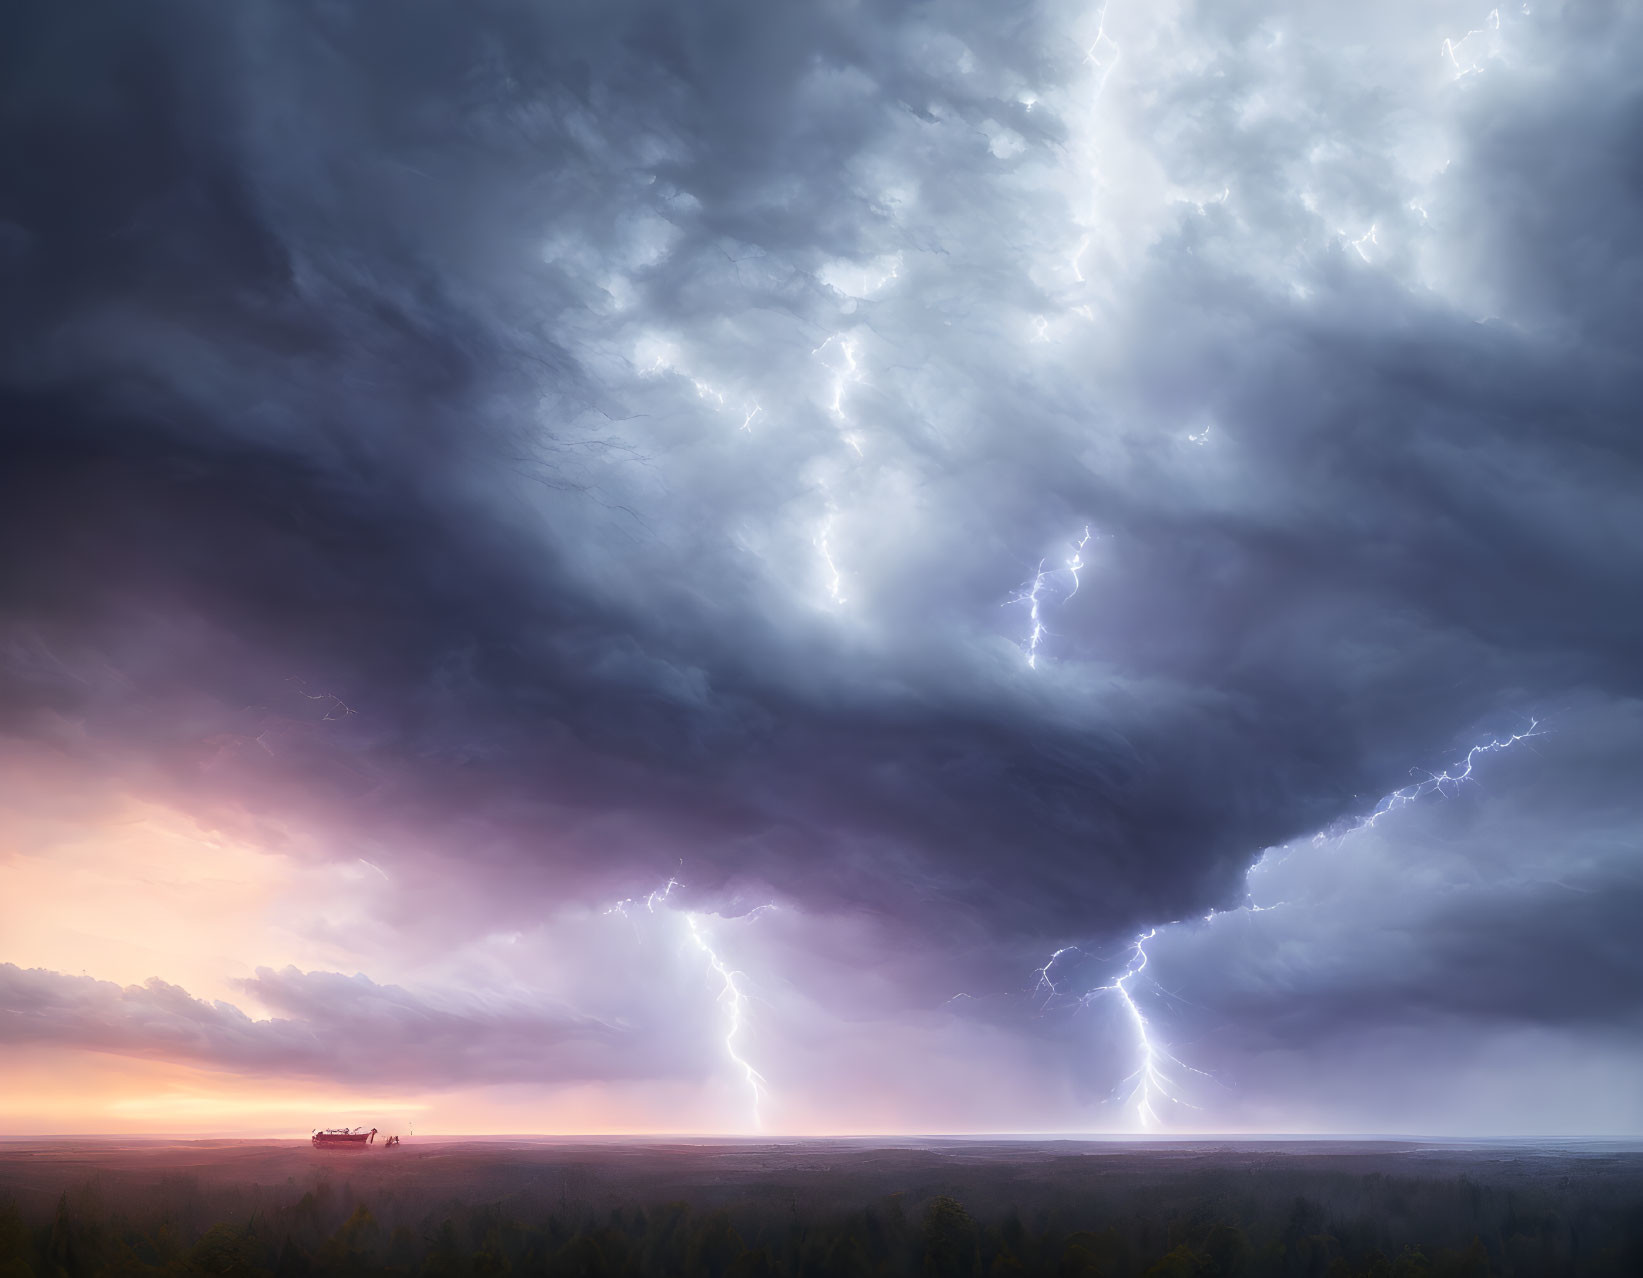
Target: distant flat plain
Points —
{"points": [[817, 1173]]}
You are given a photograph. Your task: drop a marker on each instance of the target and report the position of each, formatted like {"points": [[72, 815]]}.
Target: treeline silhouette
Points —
{"points": [[1199, 1225]]}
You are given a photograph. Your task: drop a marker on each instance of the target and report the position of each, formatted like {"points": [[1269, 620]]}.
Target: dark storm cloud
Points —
{"points": [[312, 389], [327, 1025]]}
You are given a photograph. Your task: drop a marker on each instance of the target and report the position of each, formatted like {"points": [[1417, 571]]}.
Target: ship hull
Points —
{"points": [[343, 1140]]}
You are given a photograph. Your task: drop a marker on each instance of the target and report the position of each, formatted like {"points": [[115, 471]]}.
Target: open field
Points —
{"points": [[841, 1207]]}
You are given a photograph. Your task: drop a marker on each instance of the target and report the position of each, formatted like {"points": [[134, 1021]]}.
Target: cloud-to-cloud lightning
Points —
{"points": [[1444, 783]]}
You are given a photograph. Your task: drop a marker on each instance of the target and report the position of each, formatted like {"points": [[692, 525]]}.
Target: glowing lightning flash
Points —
{"points": [[650, 902], [1076, 563], [735, 1003], [1103, 53], [1488, 36], [1153, 1083], [731, 995], [1031, 593], [1444, 783], [1149, 1082], [843, 377], [1046, 983], [835, 579]]}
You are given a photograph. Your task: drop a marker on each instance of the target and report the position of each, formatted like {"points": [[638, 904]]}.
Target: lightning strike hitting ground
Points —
{"points": [[730, 994], [1152, 1084], [735, 1004], [1149, 1083]]}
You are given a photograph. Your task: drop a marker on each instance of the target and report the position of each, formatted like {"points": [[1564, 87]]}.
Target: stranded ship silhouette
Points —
{"points": [[344, 1138]]}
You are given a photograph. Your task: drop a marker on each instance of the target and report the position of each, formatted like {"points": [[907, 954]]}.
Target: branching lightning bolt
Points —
{"points": [[1096, 55], [1076, 564], [1150, 1082], [650, 902], [1451, 48], [844, 376], [735, 1005], [1032, 594], [730, 996], [1154, 1082], [1029, 595], [1444, 783], [835, 579], [1046, 985], [666, 361]]}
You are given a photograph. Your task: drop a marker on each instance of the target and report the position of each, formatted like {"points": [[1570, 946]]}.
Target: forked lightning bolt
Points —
{"points": [[1154, 1082], [1150, 1082], [835, 579], [845, 375], [1444, 783], [1029, 595], [735, 1005], [1076, 564], [730, 996], [1032, 593], [1103, 53]]}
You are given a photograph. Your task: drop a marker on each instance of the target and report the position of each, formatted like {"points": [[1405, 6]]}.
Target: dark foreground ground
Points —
{"points": [[827, 1209]]}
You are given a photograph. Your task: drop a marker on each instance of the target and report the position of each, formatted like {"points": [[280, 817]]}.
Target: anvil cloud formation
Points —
{"points": [[468, 465]]}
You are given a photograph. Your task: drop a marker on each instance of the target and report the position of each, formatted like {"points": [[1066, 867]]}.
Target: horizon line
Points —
{"points": [[774, 1138]]}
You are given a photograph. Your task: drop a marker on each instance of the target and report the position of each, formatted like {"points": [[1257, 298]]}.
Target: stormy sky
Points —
{"points": [[712, 567]]}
